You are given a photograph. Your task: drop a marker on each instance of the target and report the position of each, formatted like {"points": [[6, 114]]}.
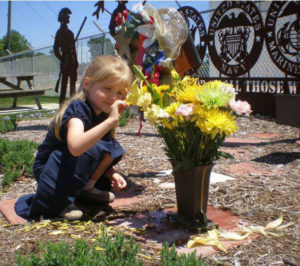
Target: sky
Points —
{"points": [[37, 20]]}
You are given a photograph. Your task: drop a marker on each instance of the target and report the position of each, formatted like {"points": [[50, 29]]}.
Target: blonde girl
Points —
{"points": [[76, 159]]}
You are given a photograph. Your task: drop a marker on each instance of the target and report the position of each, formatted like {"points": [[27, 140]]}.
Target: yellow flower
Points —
{"points": [[154, 112], [144, 100], [189, 81], [199, 111], [188, 94], [167, 124], [161, 89], [172, 108], [175, 75], [133, 95], [217, 121]]}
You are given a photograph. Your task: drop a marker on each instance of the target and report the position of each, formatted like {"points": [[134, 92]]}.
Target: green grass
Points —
{"points": [[28, 100]]}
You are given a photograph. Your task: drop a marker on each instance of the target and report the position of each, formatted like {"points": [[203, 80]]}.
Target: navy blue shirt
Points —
{"points": [[77, 109]]}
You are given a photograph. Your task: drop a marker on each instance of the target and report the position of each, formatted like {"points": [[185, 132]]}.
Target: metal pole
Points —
{"points": [[8, 26]]}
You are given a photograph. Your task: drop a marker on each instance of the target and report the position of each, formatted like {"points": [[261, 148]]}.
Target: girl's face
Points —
{"points": [[102, 95]]}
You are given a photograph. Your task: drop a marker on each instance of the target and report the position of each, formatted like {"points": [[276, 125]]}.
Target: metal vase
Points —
{"points": [[192, 186]]}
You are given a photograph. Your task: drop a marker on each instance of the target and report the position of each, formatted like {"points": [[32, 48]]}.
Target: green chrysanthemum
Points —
{"points": [[214, 94]]}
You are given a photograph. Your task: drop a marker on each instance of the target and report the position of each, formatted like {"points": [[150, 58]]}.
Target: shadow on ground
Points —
{"points": [[278, 158], [36, 127], [237, 144]]}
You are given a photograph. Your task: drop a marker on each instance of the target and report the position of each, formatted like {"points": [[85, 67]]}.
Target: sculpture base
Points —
{"points": [[193, 225]]}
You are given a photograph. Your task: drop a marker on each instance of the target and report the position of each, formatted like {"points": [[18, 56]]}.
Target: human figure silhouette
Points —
{"points": [[65, 51]]}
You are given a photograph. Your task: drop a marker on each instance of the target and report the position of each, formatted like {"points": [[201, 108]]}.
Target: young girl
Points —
{"points": [[77, 156]]}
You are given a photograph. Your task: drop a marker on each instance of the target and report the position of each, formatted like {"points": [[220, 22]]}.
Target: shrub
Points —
{"points": [[8, 123], [16, 159], [108, 251], [169, 257]]}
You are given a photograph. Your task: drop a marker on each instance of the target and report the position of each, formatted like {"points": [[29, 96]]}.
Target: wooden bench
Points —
{"points": [[16, 91]]}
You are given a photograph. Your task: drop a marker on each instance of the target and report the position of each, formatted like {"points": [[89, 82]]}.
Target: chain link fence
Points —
{"points": [[43, 63]]}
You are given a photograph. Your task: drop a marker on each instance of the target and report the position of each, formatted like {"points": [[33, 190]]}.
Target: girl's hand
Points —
{"points": [[117, 182], [117, 109]]}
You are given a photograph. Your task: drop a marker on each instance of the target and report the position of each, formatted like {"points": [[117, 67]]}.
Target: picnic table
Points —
{"points": [[16, 90]]}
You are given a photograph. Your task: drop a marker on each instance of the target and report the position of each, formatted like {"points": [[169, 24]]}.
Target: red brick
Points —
{"points": [[246, 169], [164, 232], [237, 153], [264, 135], [7, 207], [125, 198]]}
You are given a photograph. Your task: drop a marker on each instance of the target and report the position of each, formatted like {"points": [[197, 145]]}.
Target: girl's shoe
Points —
{"points": [[96, 195], [72, 212]]}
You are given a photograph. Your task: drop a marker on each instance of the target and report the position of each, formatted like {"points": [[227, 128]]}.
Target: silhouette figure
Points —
{"points": [[65, 51]]}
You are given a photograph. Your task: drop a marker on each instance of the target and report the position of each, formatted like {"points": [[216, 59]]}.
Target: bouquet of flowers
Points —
{"points": [[150, 38], [193, 119]]}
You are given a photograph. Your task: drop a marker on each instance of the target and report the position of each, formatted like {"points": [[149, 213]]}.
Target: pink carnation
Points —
{"points": [[240, 107], [184, 110]]}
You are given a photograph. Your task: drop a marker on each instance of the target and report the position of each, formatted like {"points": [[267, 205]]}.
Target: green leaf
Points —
{"points": [[226, 155]]}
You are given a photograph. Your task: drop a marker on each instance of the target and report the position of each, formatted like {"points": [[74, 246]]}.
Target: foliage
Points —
{"points": [[8, 123], [16, 159], [107, 250], [123, 119], [100, 46], [193, 119], [169, 257], [18, 43]]}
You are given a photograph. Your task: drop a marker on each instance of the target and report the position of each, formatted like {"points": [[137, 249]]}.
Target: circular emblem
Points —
{"points": [[196, 28], [235, 37], [283, 35]]}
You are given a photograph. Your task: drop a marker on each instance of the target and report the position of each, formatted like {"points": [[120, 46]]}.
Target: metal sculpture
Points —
{"points": [[65, 50], [235, 37], [283, 36]]}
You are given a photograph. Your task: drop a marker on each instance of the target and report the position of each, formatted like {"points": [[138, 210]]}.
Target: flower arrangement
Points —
{"points": [[193, 119]]}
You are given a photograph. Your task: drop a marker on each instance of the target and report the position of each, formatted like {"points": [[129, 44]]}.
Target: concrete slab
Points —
{"points": [[214, 178]]}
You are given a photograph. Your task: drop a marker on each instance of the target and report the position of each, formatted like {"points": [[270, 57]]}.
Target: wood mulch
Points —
{"points": [[256, 198]]}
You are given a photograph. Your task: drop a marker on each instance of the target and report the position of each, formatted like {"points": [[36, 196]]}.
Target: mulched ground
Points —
{"points": [[256, 197]]}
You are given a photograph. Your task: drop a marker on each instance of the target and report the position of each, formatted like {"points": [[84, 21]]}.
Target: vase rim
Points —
{"points": [[172, 161]]}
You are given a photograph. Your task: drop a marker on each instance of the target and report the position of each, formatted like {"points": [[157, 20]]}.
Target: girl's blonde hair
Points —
{"points": [[100, 69]]}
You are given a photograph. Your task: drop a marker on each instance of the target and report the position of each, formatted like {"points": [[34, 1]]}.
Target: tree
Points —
{"points": [[18, 43], [100, 45]]}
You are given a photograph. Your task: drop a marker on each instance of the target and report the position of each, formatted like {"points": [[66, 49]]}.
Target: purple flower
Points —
{"points": [[32, 115], [20, 115], [6, 118], [39, 115]]}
